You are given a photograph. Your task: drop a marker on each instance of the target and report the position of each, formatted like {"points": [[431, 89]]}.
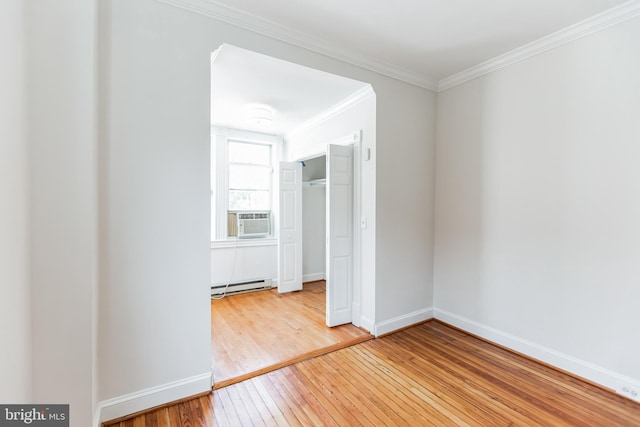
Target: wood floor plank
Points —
{"points": [[529, 388], [313, 408], [422, 396], [257, 332], [206, 406], [358, 396], [174, 416], [186, 418], [151, 419], [219, 414], [253, 413], [454, 371], [163, 418], [228, 407], [293, 399], [270, 403], [289, 411], [430, 374], [241, 406]]}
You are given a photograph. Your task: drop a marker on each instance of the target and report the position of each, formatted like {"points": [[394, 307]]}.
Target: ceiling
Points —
{"points": [[425, 41], [241, 78], [431, 43]]}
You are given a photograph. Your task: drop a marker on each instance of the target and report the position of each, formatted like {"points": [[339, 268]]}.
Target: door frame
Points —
{"points": [[355, 140]]}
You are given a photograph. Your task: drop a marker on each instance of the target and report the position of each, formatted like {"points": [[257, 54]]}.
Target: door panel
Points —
{"points": [[290, 228], [339, 234]]}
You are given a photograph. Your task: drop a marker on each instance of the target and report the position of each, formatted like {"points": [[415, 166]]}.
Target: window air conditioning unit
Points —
{"points": [[254, 224]]}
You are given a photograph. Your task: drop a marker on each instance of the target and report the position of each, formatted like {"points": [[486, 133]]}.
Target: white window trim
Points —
{"points": [[220, 179], [244, 243]]}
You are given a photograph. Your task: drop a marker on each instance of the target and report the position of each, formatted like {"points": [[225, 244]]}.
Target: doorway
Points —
{"points": [[329, 189], [306, 108]]}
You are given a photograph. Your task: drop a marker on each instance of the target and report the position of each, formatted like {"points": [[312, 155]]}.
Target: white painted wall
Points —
{"points": [[313, 233], [61, 120], [537, 205], [154, 341], [15, 311], [254, 260], [154, 295], [404, 205]]}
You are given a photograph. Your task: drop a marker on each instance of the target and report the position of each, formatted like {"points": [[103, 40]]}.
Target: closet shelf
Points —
{"points": [[316, 182]]}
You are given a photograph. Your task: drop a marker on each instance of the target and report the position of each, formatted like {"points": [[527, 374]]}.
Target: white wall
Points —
{"points": [[313, 233], [254, 260], [15, 313], [154, 293], [537, 205], [404, 205], [61, 117], [154, 341]]}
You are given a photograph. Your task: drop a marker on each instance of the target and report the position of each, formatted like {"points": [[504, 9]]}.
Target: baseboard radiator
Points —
{"points": [[236, 288]]}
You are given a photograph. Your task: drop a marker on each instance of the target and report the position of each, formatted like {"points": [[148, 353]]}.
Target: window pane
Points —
{"points": [[255, 154], [242, 177], [243, 200]]}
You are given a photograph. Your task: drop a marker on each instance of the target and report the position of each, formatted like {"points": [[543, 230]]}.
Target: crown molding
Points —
{"points": [[294, 37], [581, 29], [354, 99], [268, 28]]}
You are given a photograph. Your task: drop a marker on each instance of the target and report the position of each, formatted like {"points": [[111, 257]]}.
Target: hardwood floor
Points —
{"points": [[430, 374], [258, 332]]}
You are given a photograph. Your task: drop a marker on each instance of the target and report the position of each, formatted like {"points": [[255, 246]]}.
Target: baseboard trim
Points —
{"points": [[155, 396], [400, 322], [367, 324], [313, 277], [571, 365]]}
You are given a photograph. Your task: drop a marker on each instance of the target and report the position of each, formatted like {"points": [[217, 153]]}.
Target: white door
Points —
{"points": [[339, 234], [290, 228]]}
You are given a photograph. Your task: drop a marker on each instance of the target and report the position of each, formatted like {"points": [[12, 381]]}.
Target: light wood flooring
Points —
{"points": [[427, 375], [258, 332]]}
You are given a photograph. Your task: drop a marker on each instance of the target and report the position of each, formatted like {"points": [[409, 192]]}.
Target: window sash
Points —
{"points": [[249, 153], [250, 176], [240, 177]]}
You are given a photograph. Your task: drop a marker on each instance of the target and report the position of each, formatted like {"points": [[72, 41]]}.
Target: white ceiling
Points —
{"points": [[429, 39], [432, 43], [240, 77]]}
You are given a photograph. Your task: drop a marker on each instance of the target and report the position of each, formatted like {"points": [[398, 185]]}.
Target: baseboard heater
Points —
{"points": [[236, 288]]}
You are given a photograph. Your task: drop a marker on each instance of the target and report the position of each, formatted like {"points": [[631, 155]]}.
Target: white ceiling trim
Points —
{"points": [[591, 25], [274, 30], [342, 106]]}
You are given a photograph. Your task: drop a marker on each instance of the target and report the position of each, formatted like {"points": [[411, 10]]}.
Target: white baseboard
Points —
{"points": [[313, 277], [571, 364], [134, 402], [403, 321], [366, 323]]}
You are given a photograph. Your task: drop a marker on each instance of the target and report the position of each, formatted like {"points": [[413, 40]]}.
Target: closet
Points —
{"points": [[314, 219]]}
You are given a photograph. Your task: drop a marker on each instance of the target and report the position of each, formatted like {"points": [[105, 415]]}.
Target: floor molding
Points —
{"points": [[571, 365], [400, 322], [155, 396], [313, 277]]}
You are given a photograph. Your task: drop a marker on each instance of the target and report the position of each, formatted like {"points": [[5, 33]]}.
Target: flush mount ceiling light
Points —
{"points": [[260, 114]]}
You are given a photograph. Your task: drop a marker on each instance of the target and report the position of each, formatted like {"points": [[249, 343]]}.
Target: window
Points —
{"points": [[250, 176], [241, 183]]}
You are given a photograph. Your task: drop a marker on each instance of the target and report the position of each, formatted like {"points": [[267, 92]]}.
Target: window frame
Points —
{"points": [[221, 137], [269, 167]]}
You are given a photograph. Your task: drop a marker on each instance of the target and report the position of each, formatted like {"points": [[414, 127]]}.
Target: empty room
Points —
{"points": [[486, 236]]}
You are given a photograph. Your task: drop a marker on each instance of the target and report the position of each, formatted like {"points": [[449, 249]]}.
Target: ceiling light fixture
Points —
{"points": [[260, 114]]}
